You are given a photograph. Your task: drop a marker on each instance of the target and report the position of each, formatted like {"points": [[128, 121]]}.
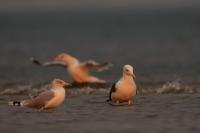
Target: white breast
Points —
{"points": [[125, 90], [59, 92]]}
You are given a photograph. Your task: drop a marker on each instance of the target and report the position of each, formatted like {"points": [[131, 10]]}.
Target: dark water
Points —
{"points": [[162, 45]]}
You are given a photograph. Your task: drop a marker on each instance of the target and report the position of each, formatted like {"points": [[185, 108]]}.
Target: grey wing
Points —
{"points": [[55, 63], [48, 64], [42, 99], [113, 89], [92, 65]]}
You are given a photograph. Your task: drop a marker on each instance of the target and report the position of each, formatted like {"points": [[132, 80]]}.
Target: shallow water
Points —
{"points": [[162, 45], [90, 113], [158, 108]]}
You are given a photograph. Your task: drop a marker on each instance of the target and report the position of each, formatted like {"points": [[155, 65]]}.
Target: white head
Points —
{"points": [[129, 71], [58, 83], [66, 58]]}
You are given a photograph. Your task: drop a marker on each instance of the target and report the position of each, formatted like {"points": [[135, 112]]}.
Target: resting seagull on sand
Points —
{"points": [[125, 89], [79, 71], [49, 99]]}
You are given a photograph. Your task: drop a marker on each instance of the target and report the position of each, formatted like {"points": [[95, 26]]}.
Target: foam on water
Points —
{"points": [[173, 87]]}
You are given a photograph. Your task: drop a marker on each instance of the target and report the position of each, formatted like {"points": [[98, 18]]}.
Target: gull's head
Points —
{"points": [[65, 58], [58, 83], [129, 71], [62, 57]]}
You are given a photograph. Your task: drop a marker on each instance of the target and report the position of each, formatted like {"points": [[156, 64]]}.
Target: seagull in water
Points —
{"points": [[125, 89], [46, 100], [79, 71]]}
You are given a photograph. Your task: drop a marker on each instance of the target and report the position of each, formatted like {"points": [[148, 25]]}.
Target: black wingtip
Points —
{"points": [[14, 103], [108, 64], [108, 100], [35, 61]]}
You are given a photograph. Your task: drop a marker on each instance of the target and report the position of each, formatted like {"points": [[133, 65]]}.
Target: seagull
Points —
{"points": [[79, 71], [46, 100], [125, 89]]}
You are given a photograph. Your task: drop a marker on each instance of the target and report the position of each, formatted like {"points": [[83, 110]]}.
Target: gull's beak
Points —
{"points": [[67, 84], [134, 77]]}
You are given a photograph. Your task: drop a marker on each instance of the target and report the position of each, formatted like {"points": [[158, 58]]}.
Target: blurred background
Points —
{"points": [[160, 38]]}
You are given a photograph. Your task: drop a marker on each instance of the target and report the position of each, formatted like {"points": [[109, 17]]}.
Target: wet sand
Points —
{"points": [[90, 113]]}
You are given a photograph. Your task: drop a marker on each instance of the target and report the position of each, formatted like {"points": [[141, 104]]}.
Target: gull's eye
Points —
{"points": [[126, 70]]}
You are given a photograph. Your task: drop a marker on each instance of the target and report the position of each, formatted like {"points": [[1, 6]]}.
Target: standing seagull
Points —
{"points": [[49, 99], [79, 71], [125, 89]]}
